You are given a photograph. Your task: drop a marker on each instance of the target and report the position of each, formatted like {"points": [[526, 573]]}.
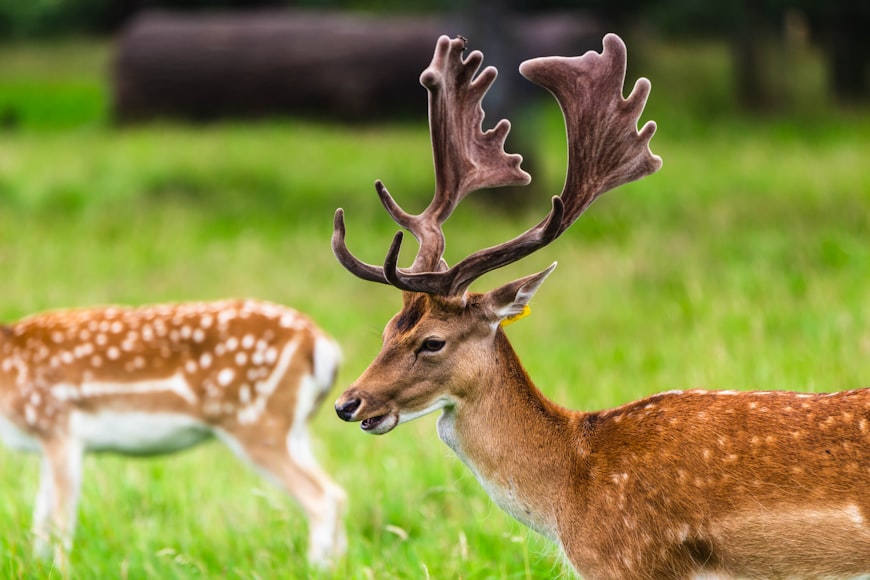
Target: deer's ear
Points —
{"points": [[512, 298]]}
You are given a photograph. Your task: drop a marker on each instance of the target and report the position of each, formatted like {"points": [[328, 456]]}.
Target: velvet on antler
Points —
{"points": [[605, 150]]}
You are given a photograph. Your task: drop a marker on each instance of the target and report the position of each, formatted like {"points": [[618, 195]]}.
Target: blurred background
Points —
{"points": [[279, 57], [185, 150]]}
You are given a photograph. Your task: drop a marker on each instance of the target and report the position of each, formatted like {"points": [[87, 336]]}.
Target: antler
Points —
{"points": [[605, 150], [465, 157]]}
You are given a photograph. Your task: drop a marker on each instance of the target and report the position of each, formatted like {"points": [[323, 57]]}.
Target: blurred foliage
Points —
{"points": [[44, 18], [21, 19], [838, 26], [37, 18]]}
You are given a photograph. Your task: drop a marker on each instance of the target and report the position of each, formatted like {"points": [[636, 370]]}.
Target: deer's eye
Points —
{"points": [[432, 345]]}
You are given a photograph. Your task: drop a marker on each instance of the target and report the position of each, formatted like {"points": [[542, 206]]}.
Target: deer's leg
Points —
{"points": [[42, 510], [54, 516], [289, 463], [327, 539]]}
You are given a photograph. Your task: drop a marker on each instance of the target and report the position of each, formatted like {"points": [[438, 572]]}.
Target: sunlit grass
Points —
{"points": [[743, 264]]}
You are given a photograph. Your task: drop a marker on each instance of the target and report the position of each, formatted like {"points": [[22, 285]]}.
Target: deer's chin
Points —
{"points": [[380, 424]]}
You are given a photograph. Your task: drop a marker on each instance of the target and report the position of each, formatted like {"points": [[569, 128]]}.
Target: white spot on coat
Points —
{"points": [[225, 377]]}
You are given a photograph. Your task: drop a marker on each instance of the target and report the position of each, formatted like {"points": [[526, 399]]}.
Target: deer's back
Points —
{"points": [[761, 484], [158, 377]]}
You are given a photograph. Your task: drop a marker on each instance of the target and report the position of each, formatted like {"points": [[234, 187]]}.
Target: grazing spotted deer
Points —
{"points": [[158, 379], [683, 484]]}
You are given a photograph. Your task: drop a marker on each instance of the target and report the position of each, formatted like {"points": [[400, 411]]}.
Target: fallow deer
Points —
{"points": [[683, 484], [158, 379]]}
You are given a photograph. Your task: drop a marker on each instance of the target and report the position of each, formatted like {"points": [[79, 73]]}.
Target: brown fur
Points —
{"points": [[218, 368], [765, 485], [741, 484]]}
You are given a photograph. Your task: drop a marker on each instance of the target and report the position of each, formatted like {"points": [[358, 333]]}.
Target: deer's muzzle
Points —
{"points": [[376, 420], [345, 410]]}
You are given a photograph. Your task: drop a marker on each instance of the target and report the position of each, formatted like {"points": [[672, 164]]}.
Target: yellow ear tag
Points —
{"points": [[511, 319]]}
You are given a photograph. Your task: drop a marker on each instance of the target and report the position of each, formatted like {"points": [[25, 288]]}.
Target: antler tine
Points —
{"points": [[457, 279], [399, 215], [348, 260], [357, 267], [605, 149]]}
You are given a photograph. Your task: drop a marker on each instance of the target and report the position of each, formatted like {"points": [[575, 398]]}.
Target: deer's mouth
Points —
{"points": [[380, 424]]}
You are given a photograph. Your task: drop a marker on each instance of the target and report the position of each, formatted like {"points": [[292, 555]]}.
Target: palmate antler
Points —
{"points": [[605, 150]]}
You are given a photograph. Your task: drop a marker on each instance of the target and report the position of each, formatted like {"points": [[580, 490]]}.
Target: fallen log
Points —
{"points": [[350, 67]]}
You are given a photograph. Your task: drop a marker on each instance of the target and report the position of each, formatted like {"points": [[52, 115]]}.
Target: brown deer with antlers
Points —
{"points": [[683, 484], [158, 379]]}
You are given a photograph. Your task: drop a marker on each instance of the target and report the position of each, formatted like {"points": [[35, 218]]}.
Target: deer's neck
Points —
{"points": [[515, 440]]}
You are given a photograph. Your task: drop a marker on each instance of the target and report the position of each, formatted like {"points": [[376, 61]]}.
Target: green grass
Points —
{"points": [[743, 264], [53, 85]]}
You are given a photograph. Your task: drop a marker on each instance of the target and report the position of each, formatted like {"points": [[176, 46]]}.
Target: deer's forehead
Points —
{"points": [[408, 318], [423, 309]]}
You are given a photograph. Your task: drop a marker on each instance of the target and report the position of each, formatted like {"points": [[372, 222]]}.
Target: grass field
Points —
{"points": [[744, 263]]}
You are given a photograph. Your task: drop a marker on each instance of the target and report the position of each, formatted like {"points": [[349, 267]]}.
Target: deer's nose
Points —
{"points": [[346, 409]]}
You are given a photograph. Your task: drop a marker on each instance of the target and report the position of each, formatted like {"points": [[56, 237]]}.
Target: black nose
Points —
{"points": [[345, 410]]}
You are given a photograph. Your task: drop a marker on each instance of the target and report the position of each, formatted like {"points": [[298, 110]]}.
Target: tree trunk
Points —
{"points": [[849, 50], [749, 58]]}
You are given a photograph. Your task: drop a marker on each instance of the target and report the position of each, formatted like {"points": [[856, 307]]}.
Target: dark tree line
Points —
{"points": [[839, 27]]}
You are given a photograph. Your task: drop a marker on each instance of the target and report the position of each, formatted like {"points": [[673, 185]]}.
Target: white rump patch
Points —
{"points": [[327, 358]]}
